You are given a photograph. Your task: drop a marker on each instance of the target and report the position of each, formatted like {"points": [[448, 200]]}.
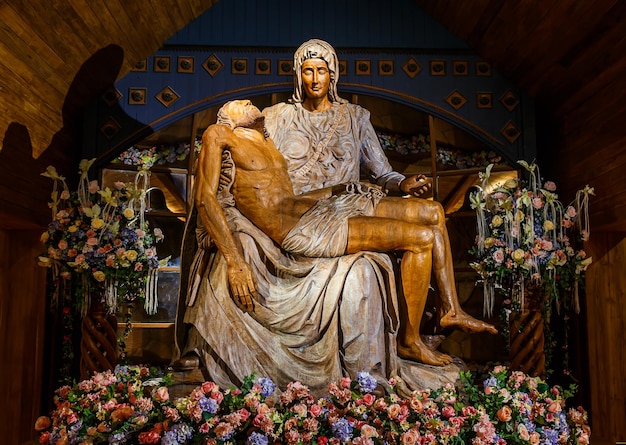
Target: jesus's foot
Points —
{"points": [[466, 322], [419, 352]]}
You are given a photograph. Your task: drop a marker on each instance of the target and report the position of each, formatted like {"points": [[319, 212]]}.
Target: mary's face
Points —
{"points": [[315, 78]]}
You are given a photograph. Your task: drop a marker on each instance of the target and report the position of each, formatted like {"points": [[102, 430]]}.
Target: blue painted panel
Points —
{"points": [[346, 23], [250, 31]]}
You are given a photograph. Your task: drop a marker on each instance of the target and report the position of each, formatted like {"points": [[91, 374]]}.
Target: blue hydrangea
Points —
{"points": [[563, 427], [367, 383], [530, 425], [491, 381], [551, 437], [267, 386], [208, 405], [118, 438], [257, 438], [342, 430], [178, 435]]}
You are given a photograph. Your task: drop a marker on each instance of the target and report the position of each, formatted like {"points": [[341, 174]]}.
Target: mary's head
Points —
{"points": [[316, 49]]}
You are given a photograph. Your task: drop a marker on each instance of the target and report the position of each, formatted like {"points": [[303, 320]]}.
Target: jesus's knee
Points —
{"points": [[420, 239], [425, 212]]}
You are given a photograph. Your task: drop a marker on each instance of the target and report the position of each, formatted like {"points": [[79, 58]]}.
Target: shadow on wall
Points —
{"points": [[25, 193]]}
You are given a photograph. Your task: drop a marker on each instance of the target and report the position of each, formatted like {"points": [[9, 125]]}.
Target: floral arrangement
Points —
{"points": [[416, 144], [98, 247], [518, 409], [134, 405], [528, 240]]}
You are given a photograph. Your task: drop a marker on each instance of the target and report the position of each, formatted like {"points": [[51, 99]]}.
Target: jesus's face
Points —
{"points": [[244, 114], [315, 78]]}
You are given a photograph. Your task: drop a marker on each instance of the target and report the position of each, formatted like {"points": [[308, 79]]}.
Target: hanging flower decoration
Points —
{"points": [[528, 239], [98, 243]]}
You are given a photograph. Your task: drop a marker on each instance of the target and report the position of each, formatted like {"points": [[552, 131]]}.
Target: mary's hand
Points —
{"points": [[243, 286], [416, 185]]}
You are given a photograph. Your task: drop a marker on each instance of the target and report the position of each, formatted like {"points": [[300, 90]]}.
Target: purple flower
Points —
{"points": [[267, 386], [257, 438], [179, 434], [342, 429], [491, 381], [551, 437], [208, 405], [367, 383]]}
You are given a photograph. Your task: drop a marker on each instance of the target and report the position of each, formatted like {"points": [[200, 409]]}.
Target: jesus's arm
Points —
{"points": [[242, 282]]}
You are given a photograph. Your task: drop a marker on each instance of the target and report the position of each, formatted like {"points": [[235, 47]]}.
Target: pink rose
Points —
{"points": [[498, 256], [208, 387], [161, 394], [369, 431], [93, 186], [217, 396], [315, 410], [345, 382], [554, 407], [550, 186], [244, 414], [523, 432], [291, 424], [570, 211], [223, 430], [447, 411], [300, 410], [369, 399]]}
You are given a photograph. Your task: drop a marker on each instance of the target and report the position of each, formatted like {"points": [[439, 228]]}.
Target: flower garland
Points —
{"points": [[134, 406], [98, 248], [417, 144], [148, 157]]}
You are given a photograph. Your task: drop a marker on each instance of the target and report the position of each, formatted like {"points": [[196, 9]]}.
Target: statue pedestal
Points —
{"points": [[420, 376], [526, 336], [185, 381]]}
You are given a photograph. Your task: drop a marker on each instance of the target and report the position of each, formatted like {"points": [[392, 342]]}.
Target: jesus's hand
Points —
{"points": [[243, 286]]}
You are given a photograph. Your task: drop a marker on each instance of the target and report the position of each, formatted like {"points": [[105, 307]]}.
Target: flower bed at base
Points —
{"points": [[132, 405]]}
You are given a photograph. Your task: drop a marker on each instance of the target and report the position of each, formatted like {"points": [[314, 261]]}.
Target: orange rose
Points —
{"points": [[504, 414], [411, 437], [534, 438], [42, 423], [122, 414], [416, 404]]}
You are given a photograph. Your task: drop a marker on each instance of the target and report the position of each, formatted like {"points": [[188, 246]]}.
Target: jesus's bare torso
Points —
{"points": [[262, 188]]}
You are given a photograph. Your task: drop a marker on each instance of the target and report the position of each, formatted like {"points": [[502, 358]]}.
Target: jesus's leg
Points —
{"points": [[430, 214], [384, 235]]}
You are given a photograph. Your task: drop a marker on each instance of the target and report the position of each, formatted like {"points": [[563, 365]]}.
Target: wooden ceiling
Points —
{"points": [[56, 57], [562, 52]]}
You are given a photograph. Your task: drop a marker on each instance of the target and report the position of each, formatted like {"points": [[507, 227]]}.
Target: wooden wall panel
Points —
{"points": [[22, 323], [606, 315]]}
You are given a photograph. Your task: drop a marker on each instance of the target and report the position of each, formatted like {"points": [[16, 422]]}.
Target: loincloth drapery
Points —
{"points": [[322, 232]]}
